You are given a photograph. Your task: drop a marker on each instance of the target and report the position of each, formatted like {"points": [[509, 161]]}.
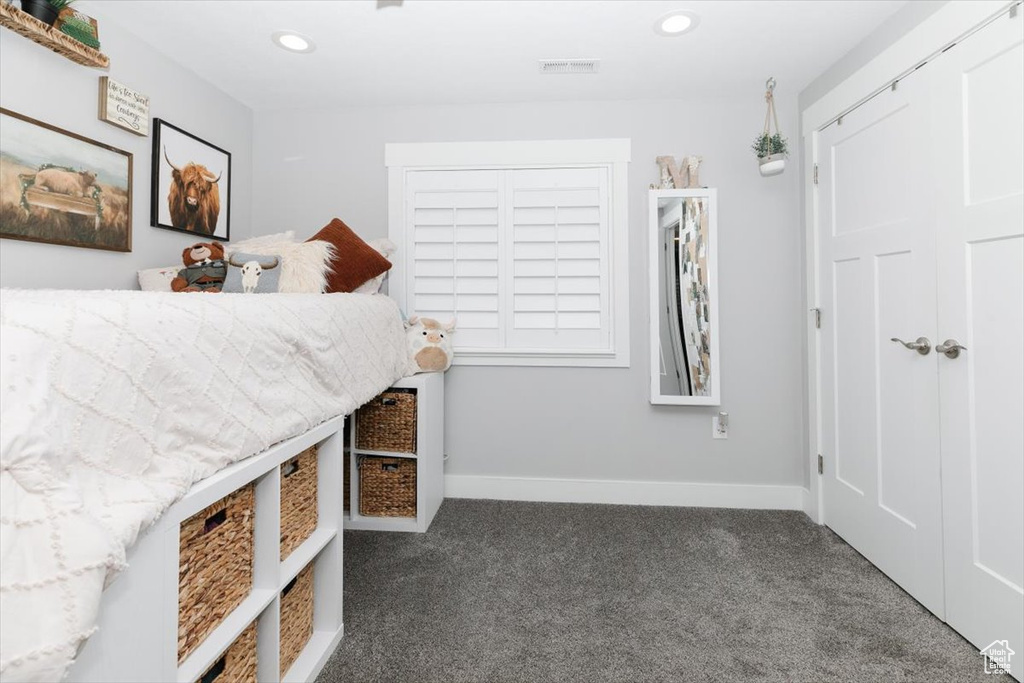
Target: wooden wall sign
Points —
{"points": [[124, 107]]}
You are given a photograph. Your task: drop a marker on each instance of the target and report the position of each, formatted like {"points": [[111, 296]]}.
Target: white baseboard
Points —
{"points": [[806, 503], [677, 494], [812, 505]]}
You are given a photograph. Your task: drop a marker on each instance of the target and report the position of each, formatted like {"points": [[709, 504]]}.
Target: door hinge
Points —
{"points": [[817, 318], [821, 464], [815, 174], [1013, 10]]}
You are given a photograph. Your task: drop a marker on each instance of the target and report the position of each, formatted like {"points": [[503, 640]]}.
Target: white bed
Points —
{"points": [[112, 404]]}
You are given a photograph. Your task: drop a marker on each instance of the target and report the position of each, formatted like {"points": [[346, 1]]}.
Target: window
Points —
{"points": [[524, 243]]}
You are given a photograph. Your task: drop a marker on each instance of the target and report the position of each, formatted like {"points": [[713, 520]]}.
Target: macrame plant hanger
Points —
{"points": [[770, 166]]}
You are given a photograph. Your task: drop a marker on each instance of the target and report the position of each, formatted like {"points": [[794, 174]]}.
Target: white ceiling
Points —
{"points": [[461, 51]]}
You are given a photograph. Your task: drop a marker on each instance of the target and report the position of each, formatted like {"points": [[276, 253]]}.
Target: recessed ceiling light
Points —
{"points": [[293, 42], [676, 23]]}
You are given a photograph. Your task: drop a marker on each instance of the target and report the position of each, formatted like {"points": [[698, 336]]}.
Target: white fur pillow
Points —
{"points": [[157, 279], [303, 264]]}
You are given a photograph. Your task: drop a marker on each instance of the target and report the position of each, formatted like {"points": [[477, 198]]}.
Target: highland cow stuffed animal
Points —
{"points": [[430, 345]]}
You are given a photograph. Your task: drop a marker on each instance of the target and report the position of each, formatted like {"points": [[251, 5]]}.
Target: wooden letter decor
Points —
{"points": [[674, 178]]}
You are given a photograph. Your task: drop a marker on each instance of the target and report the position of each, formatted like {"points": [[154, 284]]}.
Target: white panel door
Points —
{"points": [[979, 119], [879, 399]]}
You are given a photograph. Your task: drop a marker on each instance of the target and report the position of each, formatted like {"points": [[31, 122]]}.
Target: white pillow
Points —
{"points": [[261, 241], [303, 264], [158, 279], [386, 248]]}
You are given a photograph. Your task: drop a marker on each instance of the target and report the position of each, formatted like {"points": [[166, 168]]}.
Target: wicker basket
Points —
{"points": [[347, 483], [387, 487], [214, 566], [296, 617], [298, 500], [238, 664], [388, 422]]}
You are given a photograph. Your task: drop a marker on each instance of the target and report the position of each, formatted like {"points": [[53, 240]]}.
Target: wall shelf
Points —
{"points": [[26, 25]]}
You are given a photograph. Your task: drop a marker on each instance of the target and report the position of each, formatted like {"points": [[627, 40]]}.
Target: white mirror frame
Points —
{"points": [[715, 398]]}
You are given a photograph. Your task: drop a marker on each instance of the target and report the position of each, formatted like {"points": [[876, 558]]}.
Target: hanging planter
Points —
{"points": [[771, 148]]}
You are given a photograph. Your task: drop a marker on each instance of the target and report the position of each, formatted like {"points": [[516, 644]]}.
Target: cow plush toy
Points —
{"points": [[205, 268], [430, 345]]}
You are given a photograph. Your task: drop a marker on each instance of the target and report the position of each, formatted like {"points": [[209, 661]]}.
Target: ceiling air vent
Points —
{"points": [[569, 66]]}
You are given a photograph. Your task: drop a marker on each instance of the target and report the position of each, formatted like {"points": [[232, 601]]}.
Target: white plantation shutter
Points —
{"points": [[453, 236], [558, 258], [523, 256]]}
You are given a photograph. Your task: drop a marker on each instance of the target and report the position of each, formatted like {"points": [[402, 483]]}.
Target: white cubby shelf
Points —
{"points": [[137, 638], [429, 457]]}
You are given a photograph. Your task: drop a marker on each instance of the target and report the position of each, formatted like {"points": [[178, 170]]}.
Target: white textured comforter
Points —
{"points": [[112, 404]]}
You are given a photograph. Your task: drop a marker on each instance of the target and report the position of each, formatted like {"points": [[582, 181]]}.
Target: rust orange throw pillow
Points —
{"points": [[354, 260]]}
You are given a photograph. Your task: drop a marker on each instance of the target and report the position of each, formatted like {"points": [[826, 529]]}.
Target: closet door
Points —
{"points": [[979, 123], [879, 414]]}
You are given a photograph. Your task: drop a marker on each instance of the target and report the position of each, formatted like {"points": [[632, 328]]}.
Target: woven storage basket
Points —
{"points": [[296, 617], [347, 484], [298, 500], [387, 487], [214, 566], [388, 422], [238, 664]]}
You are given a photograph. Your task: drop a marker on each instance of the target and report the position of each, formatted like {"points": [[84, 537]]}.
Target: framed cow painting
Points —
{"points": [[191, 184], [62, 188]]}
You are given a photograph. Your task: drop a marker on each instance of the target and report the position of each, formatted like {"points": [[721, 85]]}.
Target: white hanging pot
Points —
{"points": [[773, 164]]}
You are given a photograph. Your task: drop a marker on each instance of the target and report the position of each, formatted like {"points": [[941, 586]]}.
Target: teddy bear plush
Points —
{"points": [[430, 344], [205, 268]]}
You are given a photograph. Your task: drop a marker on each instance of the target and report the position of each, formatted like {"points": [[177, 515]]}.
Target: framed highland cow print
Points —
{"points": [[191, 184], [62, 188]]}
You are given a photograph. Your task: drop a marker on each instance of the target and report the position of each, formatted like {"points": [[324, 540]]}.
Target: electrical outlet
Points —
{"points": [[720, 426]]}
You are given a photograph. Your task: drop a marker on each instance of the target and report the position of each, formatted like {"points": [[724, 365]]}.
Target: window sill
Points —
{"points": [[605, 359]]}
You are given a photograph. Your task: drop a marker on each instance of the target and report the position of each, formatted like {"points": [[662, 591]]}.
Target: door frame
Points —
{"points": [[948, 25]]}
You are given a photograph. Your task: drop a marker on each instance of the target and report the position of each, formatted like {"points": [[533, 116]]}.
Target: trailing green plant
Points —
{"points": [[59, 4], [766, 145]]}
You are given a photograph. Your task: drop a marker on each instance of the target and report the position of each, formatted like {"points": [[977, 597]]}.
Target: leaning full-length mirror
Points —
{"points": [[684, 297]]}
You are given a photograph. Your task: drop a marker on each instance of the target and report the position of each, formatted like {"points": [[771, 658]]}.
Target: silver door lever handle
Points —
{"points": [[921, 345], [951, 348]]}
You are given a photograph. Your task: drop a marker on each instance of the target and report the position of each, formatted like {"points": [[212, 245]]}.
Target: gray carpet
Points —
{"points": [[506, 592]]}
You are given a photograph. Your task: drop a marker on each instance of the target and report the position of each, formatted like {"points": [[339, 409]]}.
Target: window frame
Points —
{"points": [[614, 154]]}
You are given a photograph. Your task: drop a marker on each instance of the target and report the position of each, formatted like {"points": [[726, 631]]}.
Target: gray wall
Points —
{"points": [[579, 422], [883, 37], [48, 87]]}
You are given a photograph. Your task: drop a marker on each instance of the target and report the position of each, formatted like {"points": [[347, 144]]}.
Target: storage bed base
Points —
{"points": [[138, 623]]}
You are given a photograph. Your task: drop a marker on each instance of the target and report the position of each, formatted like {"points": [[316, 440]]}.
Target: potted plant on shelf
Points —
{"points": [[45, 11], [771, 151]]}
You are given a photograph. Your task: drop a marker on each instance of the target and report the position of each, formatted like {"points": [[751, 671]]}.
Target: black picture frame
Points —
{"points": [[96, 215], [169, 143]]}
